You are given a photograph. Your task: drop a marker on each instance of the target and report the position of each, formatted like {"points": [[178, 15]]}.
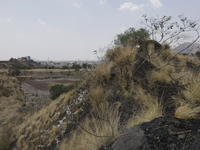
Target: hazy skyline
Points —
{"points": [[72, 30]]}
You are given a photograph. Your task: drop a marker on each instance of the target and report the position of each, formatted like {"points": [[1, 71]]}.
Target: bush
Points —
{"points": [[69, 87], [58, 89], [15, 72]]}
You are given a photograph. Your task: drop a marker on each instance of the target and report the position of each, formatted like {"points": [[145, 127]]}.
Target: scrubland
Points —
{"points": [[130, 86]]}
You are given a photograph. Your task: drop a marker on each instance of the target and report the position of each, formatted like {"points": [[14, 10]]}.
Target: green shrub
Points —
{"points": [[69, 88], [15, 72], [58, 89], [65, 67]]}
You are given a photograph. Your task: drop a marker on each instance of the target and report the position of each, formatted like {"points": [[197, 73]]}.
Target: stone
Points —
{"points": [[181, 136], [132, 139]]}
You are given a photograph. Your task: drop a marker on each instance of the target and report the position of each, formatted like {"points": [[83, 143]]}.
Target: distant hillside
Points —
{"points": [[191, 50], [18, 65]]}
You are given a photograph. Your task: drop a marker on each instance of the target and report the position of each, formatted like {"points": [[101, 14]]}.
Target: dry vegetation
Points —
{"points": [[93, 116]]}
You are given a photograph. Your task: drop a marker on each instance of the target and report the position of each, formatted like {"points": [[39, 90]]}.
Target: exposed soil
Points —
{"points": [[45, 84]]}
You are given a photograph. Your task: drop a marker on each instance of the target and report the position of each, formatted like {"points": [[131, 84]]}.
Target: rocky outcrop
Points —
{"points": [[132, 139]]}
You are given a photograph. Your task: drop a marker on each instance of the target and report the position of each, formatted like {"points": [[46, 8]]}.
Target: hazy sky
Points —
{"points": [[73, 29]]}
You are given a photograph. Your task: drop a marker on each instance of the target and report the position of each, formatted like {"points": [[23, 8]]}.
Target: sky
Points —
{"points": [[72, 29]]}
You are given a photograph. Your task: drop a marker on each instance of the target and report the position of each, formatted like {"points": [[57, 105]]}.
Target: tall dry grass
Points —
{"points": [[150, 108], [103, 128]]}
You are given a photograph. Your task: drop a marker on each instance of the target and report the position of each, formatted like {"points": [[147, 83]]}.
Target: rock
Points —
{"points": [[181, 136], [132, 139], [172, 146]]}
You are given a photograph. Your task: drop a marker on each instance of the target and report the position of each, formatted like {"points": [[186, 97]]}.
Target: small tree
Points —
{"points": [[122, 39], [164, 30], [84, 65], [76, 67]]}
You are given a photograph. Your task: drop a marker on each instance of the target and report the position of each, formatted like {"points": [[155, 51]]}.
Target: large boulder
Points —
{"points": [[132, 139]]}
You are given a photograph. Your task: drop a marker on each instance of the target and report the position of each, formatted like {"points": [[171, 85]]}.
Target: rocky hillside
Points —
{"points": [[142, 98]]}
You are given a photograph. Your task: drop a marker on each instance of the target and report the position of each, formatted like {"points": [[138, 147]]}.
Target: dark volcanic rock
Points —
{"points": [[132, 139], [167, 133]]}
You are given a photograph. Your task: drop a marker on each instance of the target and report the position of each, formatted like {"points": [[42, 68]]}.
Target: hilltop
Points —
{"points": [[19, 64]]}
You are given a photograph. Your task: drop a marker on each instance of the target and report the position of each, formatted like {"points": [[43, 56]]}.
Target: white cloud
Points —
{"points": [[131, 7], [9, 20], [156, 3], [50, 30], [124, 28], [102, 2], [56, 30], [78, 5], [41, 22], [53, 30]]}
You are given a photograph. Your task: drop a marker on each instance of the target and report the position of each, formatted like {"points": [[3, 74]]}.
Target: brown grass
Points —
{"points": [[97, 96], [191, 93], [150, 110], [41, 128], [188, 111], [160, 76], [81, 140], [32, 130]]}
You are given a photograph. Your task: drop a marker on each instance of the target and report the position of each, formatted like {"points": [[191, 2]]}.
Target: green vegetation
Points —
{"points": [[15, 72], [49, 67], [58, 89], [85, 65], [76, 67], [65, 67], [123, 38], [198, 54]]}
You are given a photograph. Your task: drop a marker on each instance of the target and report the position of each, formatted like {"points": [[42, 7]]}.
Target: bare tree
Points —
{"points": [[167, 30]]}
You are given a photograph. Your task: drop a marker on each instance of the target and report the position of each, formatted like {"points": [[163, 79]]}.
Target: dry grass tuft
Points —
{"points": [[152, 110], [101, 74], [188, 111], [192, 92], [97, 96], [160, 76], [81, 140], [126, 57]]}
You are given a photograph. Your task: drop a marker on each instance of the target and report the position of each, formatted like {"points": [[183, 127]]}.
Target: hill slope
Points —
{"points": [[148, 86]]}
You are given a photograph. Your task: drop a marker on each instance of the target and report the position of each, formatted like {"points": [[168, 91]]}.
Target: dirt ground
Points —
{"points": [[45, 84]]}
